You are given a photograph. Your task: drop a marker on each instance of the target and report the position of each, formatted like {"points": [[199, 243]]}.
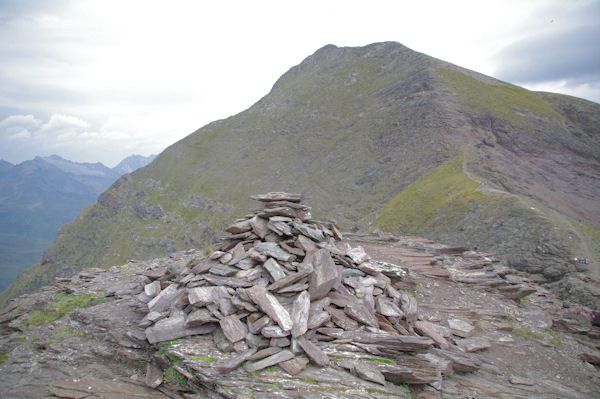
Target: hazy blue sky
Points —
{"points": [[99, 80]]}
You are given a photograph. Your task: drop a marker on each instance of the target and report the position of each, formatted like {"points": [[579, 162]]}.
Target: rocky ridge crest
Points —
{"points": [[319, 316]]}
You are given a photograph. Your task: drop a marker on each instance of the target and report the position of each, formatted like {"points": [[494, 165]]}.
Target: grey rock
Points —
{"points": [[360, 313], [228, 365], [473, 344], [261, 354], [274, 250], [152, 289], [274, 332], [199, 317], [315, 354], [259, 226], [223, 270], [369, 372], [228, 281], [239, 227], [271, 306], [387, 307], [154, 376], [294, 366], [293, 288], [270, 361], [277, 196], [326, 274], [291, 278], [174, 327], [165, 299], [233, 328], [299, 315], [274, 269], [460, 328], [201, 296]]}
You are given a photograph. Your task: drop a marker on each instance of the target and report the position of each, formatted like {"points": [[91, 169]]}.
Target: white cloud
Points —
{"points": [[116, 77]]}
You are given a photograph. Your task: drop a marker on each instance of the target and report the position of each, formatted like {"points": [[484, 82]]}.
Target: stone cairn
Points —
{"points": [[284, 290]]}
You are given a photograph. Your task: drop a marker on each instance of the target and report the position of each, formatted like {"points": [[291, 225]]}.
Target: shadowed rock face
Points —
{"points": [[352, 129], [449, 312]]}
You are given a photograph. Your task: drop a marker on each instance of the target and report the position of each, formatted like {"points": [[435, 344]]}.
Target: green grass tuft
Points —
{"points": [[205, 359], [62, 305], [175, 377], [3, 357]]}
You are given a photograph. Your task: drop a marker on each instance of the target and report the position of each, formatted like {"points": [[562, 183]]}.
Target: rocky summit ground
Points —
{"points": [[81, 338]]}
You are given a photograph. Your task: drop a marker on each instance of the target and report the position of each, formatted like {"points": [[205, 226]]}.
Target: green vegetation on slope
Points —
{"points": [[446, 185], [505, 101]]}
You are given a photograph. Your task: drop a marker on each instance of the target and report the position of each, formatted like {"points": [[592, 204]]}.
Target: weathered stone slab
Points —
{"points": [[383, 339], [277, 196], [199, 317], [299, 315], [201, 296], [256, 256], [387, 307], [270, 361], [228, 365], [154, 376], [259, 226], [340, 319], [369, 372], [152, 289], [239, 227], [228, 281], [274, 332], [256, 325], [592, 357], [360, 313], [317, 319], [165, 299], [473, 344], [305, 243], [272, 249], [412, 371], [461, 362], [291, 249], [223, 270], [358, 255], [409, 306], [427, 329], [280, 342], [279, 228], [460, 328], [291, 278], [274, 269], [295, 365], [233, 328], [261, 354], [174, 327], [293, 288], [249, 274], [314, 353], [310, 231], [271, 306], [326, 274]]}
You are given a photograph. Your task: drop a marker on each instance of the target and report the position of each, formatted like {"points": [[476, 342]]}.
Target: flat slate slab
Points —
{"points": [[271, 306]]}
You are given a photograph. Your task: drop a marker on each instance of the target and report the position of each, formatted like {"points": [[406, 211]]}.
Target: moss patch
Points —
{"points": [[175, 377], [3, 357], [205, 359], [62, 305]]}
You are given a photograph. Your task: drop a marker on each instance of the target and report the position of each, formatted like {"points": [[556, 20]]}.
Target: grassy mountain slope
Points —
{"points": [[352, 129]]}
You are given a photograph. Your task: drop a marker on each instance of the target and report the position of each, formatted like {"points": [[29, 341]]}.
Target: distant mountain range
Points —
{"points": [[40, 195], [375, 137]]}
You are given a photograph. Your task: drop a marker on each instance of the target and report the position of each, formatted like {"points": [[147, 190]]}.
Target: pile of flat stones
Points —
{"points": [[280, 289]]}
